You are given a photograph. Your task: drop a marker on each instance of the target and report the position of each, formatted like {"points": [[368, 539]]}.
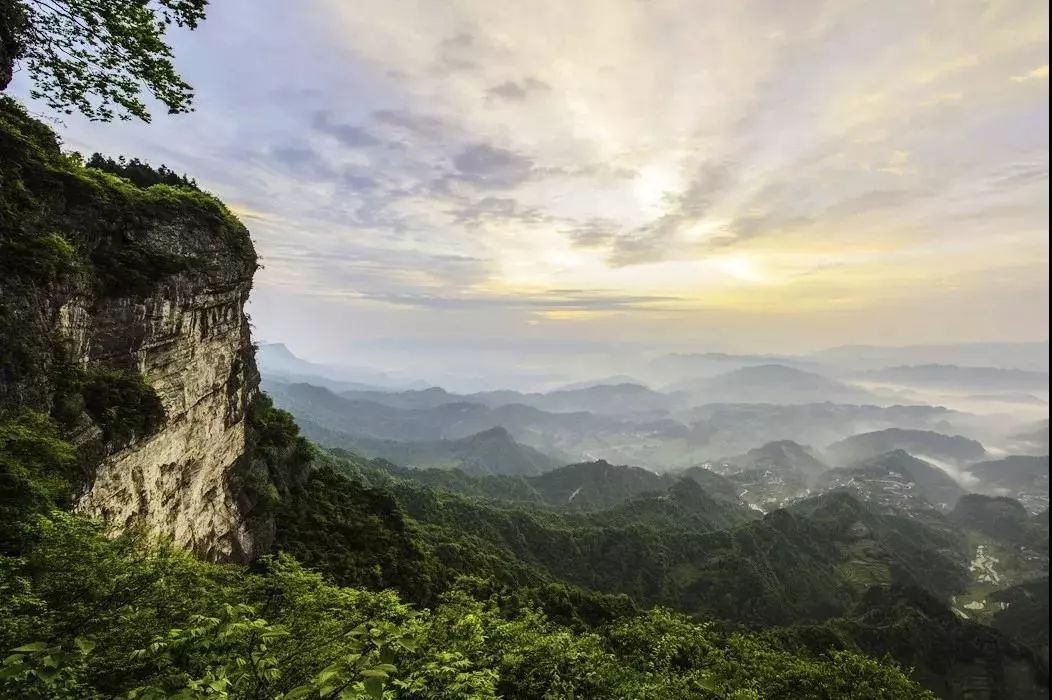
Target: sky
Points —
{"points": [[426, 179]]}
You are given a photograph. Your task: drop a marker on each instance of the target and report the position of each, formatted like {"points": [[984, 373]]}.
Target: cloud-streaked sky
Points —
{"points": [[764, 176]]}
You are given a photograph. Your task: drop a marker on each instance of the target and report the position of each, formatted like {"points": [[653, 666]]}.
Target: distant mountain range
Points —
{"points": [[657, 439], [1032, 440], [1031, 356], [1022, 477], [600, 398], [962, 378], [677, 367], [275, 360], [492, 451], [773, 384], [727, 429], [919, 443]]}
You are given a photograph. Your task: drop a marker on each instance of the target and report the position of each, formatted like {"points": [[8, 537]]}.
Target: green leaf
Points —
{"points": [[375, 688], [34, 646], [374, 673], [327, 673]]}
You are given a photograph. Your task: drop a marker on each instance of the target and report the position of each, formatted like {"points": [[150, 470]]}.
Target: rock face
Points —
{"points": [[190, 341], [99, 277]]}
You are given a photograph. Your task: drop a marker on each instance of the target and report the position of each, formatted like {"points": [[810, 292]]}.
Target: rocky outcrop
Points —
{"points": [[191, 344], [100, 278]]}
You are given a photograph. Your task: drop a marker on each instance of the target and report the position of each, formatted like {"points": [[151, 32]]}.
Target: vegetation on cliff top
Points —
{"points": [[103, 217]]}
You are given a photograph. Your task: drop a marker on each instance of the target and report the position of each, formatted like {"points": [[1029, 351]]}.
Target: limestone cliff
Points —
{"points": [[119, 302], [189, 339]]}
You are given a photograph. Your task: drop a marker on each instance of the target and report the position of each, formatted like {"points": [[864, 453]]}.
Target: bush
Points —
{"points": [[34, 472], [125, 407], [127, 617], [139, 173]]}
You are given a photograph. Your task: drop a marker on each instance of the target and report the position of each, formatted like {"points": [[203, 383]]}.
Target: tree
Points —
{"points": [[98, 57]]}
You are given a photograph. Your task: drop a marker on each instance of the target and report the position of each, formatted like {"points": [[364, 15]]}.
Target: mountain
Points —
{"points": [[723, 429], [622, 398], [599, 484], [896, 479], [685, 505], [589, 383], [964, 378], [678, 366], [368, 419], [595, 398], [953, 657], [771, 476], [1022, 477], [277, 362], [431, 397], [656, 440], [781, 456], [566, 436], [717, 486], [491, 451], [775, 384], [998, 517], [1023, 356], [926, 444], [1032, 441], [1022, 613]]}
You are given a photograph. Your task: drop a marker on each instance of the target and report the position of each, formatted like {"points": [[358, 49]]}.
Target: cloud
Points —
{"points": [[456, 53], [594, 233], [870, 202], [424, 125], [1039, 73], [544, 301], [348, 135], [517, 91], [660, 238], [302, 160], [489, 166], [848, 156], [496, 210]]}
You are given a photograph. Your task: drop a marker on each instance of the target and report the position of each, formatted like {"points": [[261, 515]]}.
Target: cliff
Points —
{"points": [[122, 320]]}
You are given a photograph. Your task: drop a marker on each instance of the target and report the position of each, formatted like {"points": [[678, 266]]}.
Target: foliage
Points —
{"points": [[680, 549], [922, 633], [99, 56], [122, 404], [34, 466], [127, 617], [277, 459], [45, 257], [58, 216], [139, 173], [43, 671]]}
